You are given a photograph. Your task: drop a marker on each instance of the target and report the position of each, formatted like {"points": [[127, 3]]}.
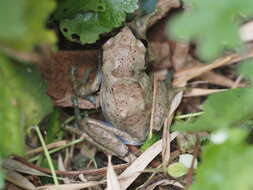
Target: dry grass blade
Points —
{"points": [[164, 182], [127, 177], [30, 57], [201, 92], [49, 146], [166, 142], [112, 179], [166, 136], [237, 82], [19, 180], [153, 106], [214, 78], [14, 165], [100, 171], [61, 167], [74, 186], [163, 7], [181, 78]]}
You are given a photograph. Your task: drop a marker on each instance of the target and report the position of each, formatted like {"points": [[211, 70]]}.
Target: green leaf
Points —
{"points": [[226, 166], [1, 176], [177, 170], [223, 110], [12, 136], [68, 9], [54, 132], [12, 129], [246, 69], [23, 103], [86, 20], [129, 6], [22, 23], [149, 142], [215, 26]]}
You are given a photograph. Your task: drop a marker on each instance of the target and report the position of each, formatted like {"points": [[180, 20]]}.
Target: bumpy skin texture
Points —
{"points": [[125, 97], [126, 90]]}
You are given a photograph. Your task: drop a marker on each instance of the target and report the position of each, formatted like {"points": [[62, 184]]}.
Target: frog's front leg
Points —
{"points": [[85, 87]]}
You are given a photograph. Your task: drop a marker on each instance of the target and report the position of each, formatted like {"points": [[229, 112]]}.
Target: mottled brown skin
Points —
{"points": [[126, 90], [125, 96]]}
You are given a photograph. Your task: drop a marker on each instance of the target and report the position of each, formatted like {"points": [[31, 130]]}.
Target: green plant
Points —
{"points": [[85, 20], [226, 161]]}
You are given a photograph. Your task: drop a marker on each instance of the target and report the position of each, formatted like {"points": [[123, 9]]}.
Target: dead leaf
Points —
{"points": [[201, 92], [14, 165], [214, 78], [73, 186], [165, 182], [181, 77], [112, 179], [19, 180], [49, 146], [56, 73], [166, 135], [127, 177], [61, 167]]}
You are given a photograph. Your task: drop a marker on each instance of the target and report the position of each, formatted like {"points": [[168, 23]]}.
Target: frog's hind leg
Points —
{"points": [[101, 137]]}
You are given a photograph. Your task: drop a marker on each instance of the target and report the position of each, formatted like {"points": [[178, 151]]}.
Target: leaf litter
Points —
{"points": [[188, 71]]}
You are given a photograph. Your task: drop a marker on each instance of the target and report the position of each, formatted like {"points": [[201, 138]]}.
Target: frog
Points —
{"points": [[126, 92]]}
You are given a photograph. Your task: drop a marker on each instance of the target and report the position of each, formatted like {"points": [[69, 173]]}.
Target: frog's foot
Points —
{"points": [[103, 138], [106, 137], [109, 145], [85, 86]]}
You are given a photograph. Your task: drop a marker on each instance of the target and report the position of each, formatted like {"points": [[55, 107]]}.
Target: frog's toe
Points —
{"points": [[132, 141]]}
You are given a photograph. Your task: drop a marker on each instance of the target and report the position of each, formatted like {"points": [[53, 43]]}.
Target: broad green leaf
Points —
{"points": [[223, 110], [12, 130], [23, 103], [215, 26], [246, 69], [22, 23], [85, 21], [226, 166], [68, 9], [12, 127], [177, 170]]}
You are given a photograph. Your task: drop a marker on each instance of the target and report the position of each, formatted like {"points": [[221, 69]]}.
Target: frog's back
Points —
{"points": [[126, 91]]}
